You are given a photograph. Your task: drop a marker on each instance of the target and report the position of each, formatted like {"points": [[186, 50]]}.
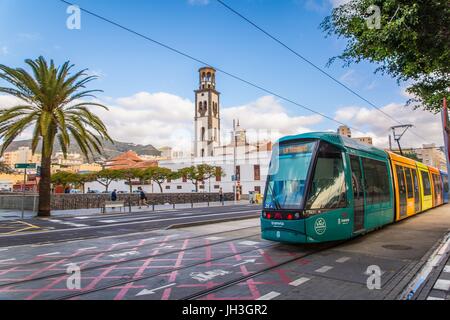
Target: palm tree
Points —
{"points": [[4, 168], [51, 101]]}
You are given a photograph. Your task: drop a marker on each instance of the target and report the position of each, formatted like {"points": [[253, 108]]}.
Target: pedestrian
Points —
{"points": [[89, 190], [114, 195], [142, 198], [221, 195]]}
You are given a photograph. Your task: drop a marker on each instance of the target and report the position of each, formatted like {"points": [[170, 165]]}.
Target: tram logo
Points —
{"points": [[320, 226]]}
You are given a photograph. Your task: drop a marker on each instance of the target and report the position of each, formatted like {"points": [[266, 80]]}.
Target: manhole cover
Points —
{"points": [[396, 247]]}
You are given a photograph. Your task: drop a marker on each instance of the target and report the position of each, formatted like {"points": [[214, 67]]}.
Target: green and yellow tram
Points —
{"points": [[324, 187]]}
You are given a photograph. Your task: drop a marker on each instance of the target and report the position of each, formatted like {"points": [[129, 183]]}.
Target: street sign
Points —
{"points": [[25, 166]]}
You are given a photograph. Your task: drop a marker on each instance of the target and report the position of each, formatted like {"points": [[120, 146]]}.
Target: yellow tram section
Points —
{"points": [[406, 185], [426, 186], [438, 197]]}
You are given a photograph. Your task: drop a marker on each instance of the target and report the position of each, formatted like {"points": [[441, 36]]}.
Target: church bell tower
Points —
{"points": [[207, 114]]}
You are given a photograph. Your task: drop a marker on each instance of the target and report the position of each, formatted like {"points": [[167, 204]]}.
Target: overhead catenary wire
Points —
{"points": [[313, 65], [188, 56]]}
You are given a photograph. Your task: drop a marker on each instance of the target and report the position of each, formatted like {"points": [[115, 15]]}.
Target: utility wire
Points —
{"points": [[312, 64], [207, 64]]}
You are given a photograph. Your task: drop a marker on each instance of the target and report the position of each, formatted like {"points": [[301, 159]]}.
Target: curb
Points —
{"points": [[200, 223]]}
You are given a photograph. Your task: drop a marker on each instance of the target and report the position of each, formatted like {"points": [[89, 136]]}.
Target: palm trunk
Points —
{"points": [[45, 187]]}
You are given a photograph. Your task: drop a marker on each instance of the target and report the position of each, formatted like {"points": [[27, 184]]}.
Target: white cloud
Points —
{"points": [[377, 125], [267, 117]]}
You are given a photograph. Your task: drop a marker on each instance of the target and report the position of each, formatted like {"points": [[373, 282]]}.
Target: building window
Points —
{"points": [[203, 153], [218, 174], [216, 186], [202, 187], [167, 187], [238, 173], [203, 134], [179, 187], [257, 172], [257, 189], [184, 179]]}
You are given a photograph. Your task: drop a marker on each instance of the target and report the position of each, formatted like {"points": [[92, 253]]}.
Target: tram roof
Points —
{"points": [[337, 140]]}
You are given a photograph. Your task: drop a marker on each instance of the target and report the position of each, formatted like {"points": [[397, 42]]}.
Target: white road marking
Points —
{"points": [[120, 255], [81, 218], [214, 238], [324, 269], [434, 298], [299, 281], [3, 249], [136, 222], [447, 269], [343, 259], [108, 221], [269, 296], [49, 254], [7, 260], [152, 291], [68, 223], [245, 262], [90, 248], [121, 243], [442, 285], [208, 275], [248, 243]]}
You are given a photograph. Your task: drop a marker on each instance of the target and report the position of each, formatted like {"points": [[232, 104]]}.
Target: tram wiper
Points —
{"points": [[274, 200]]}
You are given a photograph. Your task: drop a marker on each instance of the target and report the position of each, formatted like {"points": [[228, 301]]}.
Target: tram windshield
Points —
{"points": [[287, 174]]}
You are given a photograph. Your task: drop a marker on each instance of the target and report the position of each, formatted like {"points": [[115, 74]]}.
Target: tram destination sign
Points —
{"points": [[25, 166]]}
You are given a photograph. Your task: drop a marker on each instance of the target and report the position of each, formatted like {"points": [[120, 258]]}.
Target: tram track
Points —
{"points": [[124, 282], [125, 248], [230, 283], [133, 259]]}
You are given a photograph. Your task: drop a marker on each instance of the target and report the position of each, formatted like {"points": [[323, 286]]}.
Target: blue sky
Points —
{"points": [[128, 65]]}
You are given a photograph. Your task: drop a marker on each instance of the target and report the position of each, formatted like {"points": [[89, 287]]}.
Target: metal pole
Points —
{"points": [[23, 192], [234, 161]]}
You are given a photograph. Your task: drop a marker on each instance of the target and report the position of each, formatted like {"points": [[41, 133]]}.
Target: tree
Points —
{"points": [[106, 177], [64, 178], [411, 43], [129, 175], [83, 178], [201, 173], [4, 168], [51, 101], [158, 175]]}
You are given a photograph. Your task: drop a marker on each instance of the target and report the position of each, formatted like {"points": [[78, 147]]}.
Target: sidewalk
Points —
{"points": [[6, 214]]}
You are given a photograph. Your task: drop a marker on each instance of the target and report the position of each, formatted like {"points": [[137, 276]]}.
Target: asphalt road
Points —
{"points": [[216, 261], [38, 231]]}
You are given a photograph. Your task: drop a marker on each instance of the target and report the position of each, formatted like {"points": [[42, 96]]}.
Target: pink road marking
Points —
{"points": [[46, 288], [123, 291], [166, 294], [284, 277], [96, 280], [208, 253], [173, 275], [234, 250]]}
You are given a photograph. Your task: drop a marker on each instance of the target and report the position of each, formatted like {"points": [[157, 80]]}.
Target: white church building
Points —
{"points": [[249, 162]]}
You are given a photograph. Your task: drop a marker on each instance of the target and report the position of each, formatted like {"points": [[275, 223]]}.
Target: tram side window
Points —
{"points": [[376, 181], [426, 183], [401, 181], [409, 185], [328, 189], [445, 180]]}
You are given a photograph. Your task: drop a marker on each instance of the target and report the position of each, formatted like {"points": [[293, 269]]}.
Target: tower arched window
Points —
{"points": [[203, 153], [206, 106], [200, 106], [215, 134], [203, 134]]}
